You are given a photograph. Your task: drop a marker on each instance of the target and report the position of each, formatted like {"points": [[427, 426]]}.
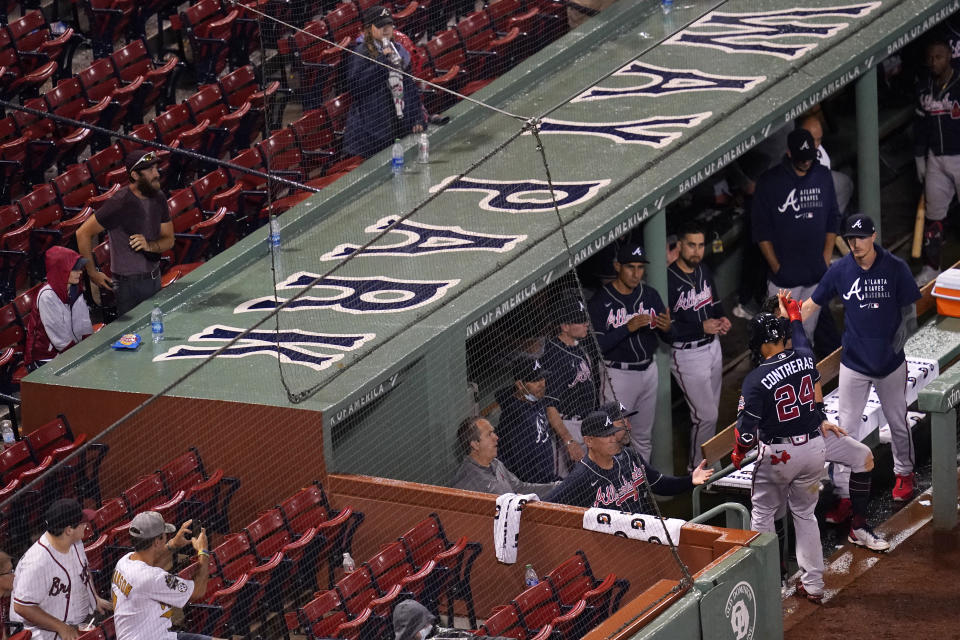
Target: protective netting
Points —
{"points": [[364, 286]]}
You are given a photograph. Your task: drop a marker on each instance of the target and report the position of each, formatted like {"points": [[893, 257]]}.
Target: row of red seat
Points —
{"points": [[30, 54], [29, 459], [180, 490], [272, 561], [564, 605], [422, 564]]}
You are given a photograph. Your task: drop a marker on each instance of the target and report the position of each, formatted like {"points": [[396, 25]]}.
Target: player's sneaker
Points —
{"points": [[866, 538], [815, 598], [903, 489], [840, 512], [926, 274]]}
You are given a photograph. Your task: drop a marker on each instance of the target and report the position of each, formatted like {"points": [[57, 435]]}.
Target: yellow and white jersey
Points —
{"points": [[144, 598]]}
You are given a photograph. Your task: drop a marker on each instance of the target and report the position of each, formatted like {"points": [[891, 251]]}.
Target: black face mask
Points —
{"points": [[73, 292]]}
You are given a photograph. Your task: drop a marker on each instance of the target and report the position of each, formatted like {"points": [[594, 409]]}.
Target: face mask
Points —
{"points": [[73, 293], [423, 633], [529, 397]]}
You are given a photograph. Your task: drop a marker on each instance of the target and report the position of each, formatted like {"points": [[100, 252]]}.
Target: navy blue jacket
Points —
{"points": [[778, 397], [693, 298], [526, 442], [371, 122], [795, 213]]}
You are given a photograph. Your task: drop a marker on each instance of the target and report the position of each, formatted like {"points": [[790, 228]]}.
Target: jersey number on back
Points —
{"points": [[789, 400]]}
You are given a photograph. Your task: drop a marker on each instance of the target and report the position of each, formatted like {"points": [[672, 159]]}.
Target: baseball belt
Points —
{"points": [[630, 366], [803, 438], [693, 345]]}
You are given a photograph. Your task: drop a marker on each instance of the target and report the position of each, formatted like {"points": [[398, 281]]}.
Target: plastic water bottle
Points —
{"points": [[530, 578], [275, 232], [349, 566], [666, 6], [8, 437], [397, 162], [156, 323], [424, 156]]}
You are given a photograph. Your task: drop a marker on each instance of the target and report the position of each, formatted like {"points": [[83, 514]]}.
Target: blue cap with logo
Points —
{"points": [[631, 252], [859, 226]]}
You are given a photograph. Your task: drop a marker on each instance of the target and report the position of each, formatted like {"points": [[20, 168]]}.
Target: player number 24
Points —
{"points": [[789, 400]]}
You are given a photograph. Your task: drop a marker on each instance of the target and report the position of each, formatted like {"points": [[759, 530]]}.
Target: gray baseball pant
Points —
{"points": [[941, 182], [848, 454], [800, 294], [637, 391], [699, 372], [891, 390], [790, 474]]}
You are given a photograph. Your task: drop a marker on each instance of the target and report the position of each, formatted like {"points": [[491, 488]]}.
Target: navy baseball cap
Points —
{"points": [[631, 253], [572, 310], [801, 145], [859, 226], [617, 411], [598, 424], [377, 16], [66, 513], [529, 370]]}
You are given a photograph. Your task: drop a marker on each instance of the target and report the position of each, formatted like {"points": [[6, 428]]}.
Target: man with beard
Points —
{"points": [[139, 229], [696, 360]]}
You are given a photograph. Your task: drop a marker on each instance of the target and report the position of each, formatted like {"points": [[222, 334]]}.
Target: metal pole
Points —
{"points": [[655, 241], [943, 436], [868, 147]]}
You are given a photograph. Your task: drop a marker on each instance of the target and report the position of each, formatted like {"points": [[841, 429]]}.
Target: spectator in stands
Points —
{"points": [[611, 476], [144, 593], [385, 100], [572, 389], [527, 443], [795, 220], [412, 621], [937, 149], [6, 588], [480, 470], [139, 230], [60, 317], [52, 589]]}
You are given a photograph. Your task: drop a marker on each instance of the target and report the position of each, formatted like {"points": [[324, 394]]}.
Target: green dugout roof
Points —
{"points": [[669, 111]]}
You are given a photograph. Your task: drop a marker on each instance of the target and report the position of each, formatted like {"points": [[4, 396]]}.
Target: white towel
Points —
{"points": [[506, 524], [633, 525]]}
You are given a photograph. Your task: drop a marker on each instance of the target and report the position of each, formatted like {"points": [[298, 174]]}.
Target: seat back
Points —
{"points": [[505, 622], [390, 566], [15, 460], [320, 617], [306, 508], [113, 513], [75, 187], [184, 471], [344, 21], [537, 605], [268, 534], [234, 557], [572, 579], [356, 590], [425, 540], [52, 435], [145, 493]]}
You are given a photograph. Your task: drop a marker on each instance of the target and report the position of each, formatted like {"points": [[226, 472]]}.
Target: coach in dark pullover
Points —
{"points": [[480, 470]]}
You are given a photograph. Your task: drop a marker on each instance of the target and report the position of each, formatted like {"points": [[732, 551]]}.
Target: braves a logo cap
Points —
{"points": [[65, 513], [598, 424], [529, 370], [377, 16], [631, 252], [572, 309], [801, 145], [859, 225]]}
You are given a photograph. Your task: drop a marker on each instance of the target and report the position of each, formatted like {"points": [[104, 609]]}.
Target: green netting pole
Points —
{"points": [[943, 426], [868, 147], [655, 242]]}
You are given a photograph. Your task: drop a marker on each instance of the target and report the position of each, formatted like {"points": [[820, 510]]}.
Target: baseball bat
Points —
{"points": [[915, 251]]}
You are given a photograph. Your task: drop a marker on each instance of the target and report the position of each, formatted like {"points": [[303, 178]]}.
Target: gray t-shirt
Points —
{"points": [[495, 479], [124, 215]]}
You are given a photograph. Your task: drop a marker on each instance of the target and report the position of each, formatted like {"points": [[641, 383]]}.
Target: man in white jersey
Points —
{"points": [[144, 594], [52, 590]]}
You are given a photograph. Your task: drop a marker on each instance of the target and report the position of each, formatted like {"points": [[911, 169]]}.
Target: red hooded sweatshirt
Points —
{"points": [[57, 322]]}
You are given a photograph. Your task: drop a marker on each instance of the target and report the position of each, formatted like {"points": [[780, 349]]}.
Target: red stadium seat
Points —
{"points": [[74, 188], [218, 615], [488, 53], [104, 164], [36, 47], [343, 22], [158, 77], [392, 567], [108, 20], [14, 258], [311, 58], [539, 607], [146, 493], [427, 541], [241, 86], [506, 15], [574, 580], [209, 27], [113, 513], [319, 618], [187, 473], [505, 622], [55, 438]]}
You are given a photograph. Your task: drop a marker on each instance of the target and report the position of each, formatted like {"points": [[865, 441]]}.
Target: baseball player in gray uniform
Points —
{"points": [[781, 410], [144, 594], [697, 321], [52, 589]]}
